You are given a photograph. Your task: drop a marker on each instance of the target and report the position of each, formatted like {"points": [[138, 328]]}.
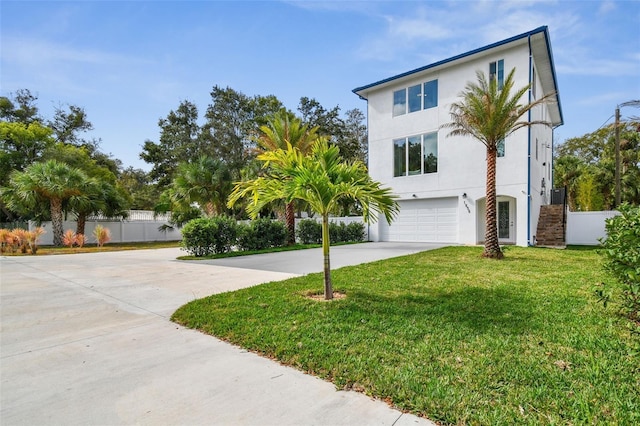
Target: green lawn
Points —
{"points": [[450, 336]]}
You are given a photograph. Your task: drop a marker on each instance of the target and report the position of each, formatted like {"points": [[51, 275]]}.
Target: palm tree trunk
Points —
{"points": [[82, 220], [491, 244], [56, 220], [290, 219], [328, 287]]}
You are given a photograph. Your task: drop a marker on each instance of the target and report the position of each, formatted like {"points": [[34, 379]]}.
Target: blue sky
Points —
{"points": [[128, 63]]}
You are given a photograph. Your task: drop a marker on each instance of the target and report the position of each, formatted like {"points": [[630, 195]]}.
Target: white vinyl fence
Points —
{"points": [[139, 227], [585, 228]]}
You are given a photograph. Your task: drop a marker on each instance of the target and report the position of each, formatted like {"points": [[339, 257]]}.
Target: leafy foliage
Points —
{"points": [[585, 165], [262, 233], [102, 235], [489, 114], [323, 180], [205, 236], [621, 250], [310, 232]]}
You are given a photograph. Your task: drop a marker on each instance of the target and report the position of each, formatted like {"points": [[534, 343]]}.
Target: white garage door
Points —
{"points": [[434, 220]]}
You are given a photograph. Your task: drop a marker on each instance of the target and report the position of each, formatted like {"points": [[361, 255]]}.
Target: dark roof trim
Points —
{"points": [[553, 72], [463, 55]]}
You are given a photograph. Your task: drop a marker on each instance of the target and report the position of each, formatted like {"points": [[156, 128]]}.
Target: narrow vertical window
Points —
{"points": [[415, 98], [415, 155], [399, 102], [431, 94], [500, 74], [430, 152], [500, 148], [399, 157], [496, 72], [536, 148], [533, 83]]}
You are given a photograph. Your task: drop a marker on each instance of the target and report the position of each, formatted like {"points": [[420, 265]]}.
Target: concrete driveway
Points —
{"points": [[86, 340]]}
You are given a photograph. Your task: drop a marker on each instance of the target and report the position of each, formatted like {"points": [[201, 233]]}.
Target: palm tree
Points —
{"points": [[282, 129], [322, 180], [207, 181], [51, 181], [98, 197], [490, 114]]}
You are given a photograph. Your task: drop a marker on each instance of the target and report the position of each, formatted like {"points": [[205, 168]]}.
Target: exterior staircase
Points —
{"points": [[551, 226]]}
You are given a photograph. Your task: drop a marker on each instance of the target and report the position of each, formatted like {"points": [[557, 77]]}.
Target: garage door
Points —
{"points": [[434, 220]]}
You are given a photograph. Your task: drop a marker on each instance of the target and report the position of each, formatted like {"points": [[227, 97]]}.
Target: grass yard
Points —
{"points": [[450, 336]]}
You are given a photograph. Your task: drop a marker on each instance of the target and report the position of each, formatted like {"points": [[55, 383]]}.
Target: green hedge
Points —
{"points": [[310, 232], [262, 234], [205, 236]]}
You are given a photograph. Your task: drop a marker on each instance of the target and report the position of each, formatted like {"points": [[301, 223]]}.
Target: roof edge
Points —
{"points": [[542, 29]]}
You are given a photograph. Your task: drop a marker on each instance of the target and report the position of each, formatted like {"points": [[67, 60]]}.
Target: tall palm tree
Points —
{"points": [[490, 114], [51, 181], [206, 181], [323, 180], [98, 197], [282, 129]]}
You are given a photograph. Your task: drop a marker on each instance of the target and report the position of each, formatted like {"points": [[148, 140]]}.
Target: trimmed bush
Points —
{"points": [[262, 234], [205, 236], [309, 232], [621, 249]]}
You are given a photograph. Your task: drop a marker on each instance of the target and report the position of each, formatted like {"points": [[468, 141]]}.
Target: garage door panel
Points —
{"points": [[433, 220]]}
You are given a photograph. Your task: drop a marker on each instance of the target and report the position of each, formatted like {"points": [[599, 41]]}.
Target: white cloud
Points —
{"points": [[606, 7]]}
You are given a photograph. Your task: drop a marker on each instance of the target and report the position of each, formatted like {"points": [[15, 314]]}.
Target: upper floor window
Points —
{"points": [[533, 82], [415, 98], [496, 72], [415, 155], [399, 102]]}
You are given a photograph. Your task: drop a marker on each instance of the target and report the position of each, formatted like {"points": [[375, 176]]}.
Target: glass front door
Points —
{"points": [[504, 220]]}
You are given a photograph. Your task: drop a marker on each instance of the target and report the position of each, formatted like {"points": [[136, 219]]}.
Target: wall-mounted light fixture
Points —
{"points": [[464, 196], [414, 196]]}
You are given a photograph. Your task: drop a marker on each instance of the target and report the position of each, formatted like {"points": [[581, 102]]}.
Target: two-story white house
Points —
{"points": [[440, 180]]}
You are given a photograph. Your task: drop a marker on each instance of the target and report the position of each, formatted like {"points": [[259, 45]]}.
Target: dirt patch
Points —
{"points": [[320, 297]]}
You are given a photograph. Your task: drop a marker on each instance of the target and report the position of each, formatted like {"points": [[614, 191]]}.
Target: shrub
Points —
{"points": [[102, 235], [205, 236], [261, 234], [309, 232], [69, 238], [33, 237], [20, 238], [355, 232], [80, 240], [621, 250]]}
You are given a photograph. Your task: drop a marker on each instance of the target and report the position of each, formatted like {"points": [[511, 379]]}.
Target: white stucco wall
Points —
{"points": [[461, 160]]}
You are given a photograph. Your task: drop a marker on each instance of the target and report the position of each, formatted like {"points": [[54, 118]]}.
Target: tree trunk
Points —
{"points": [[56, 221], [82, 220], [491, 244], [328, 287], [290, 219]]}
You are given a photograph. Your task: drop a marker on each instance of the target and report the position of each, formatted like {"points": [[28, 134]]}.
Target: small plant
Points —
{"points": [[20, 239], [621, 250], [6, 241], [80, 240], [33, 237], [102, 235], [69, 238]]}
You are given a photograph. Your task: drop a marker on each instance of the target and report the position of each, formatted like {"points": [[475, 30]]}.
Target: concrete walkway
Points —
{"points": [[86, 340]]}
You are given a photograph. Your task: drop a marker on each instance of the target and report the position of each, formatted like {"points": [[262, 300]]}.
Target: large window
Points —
{"points": [[496, 72], [431, 94], [416, 98], [399, 102], [415, 155]]}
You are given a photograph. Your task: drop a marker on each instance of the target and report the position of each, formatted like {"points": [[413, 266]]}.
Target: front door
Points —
{"points": [[505, 221]]}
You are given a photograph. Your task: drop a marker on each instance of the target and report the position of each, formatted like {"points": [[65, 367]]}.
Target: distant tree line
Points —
{"points": [[50, 169]]}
